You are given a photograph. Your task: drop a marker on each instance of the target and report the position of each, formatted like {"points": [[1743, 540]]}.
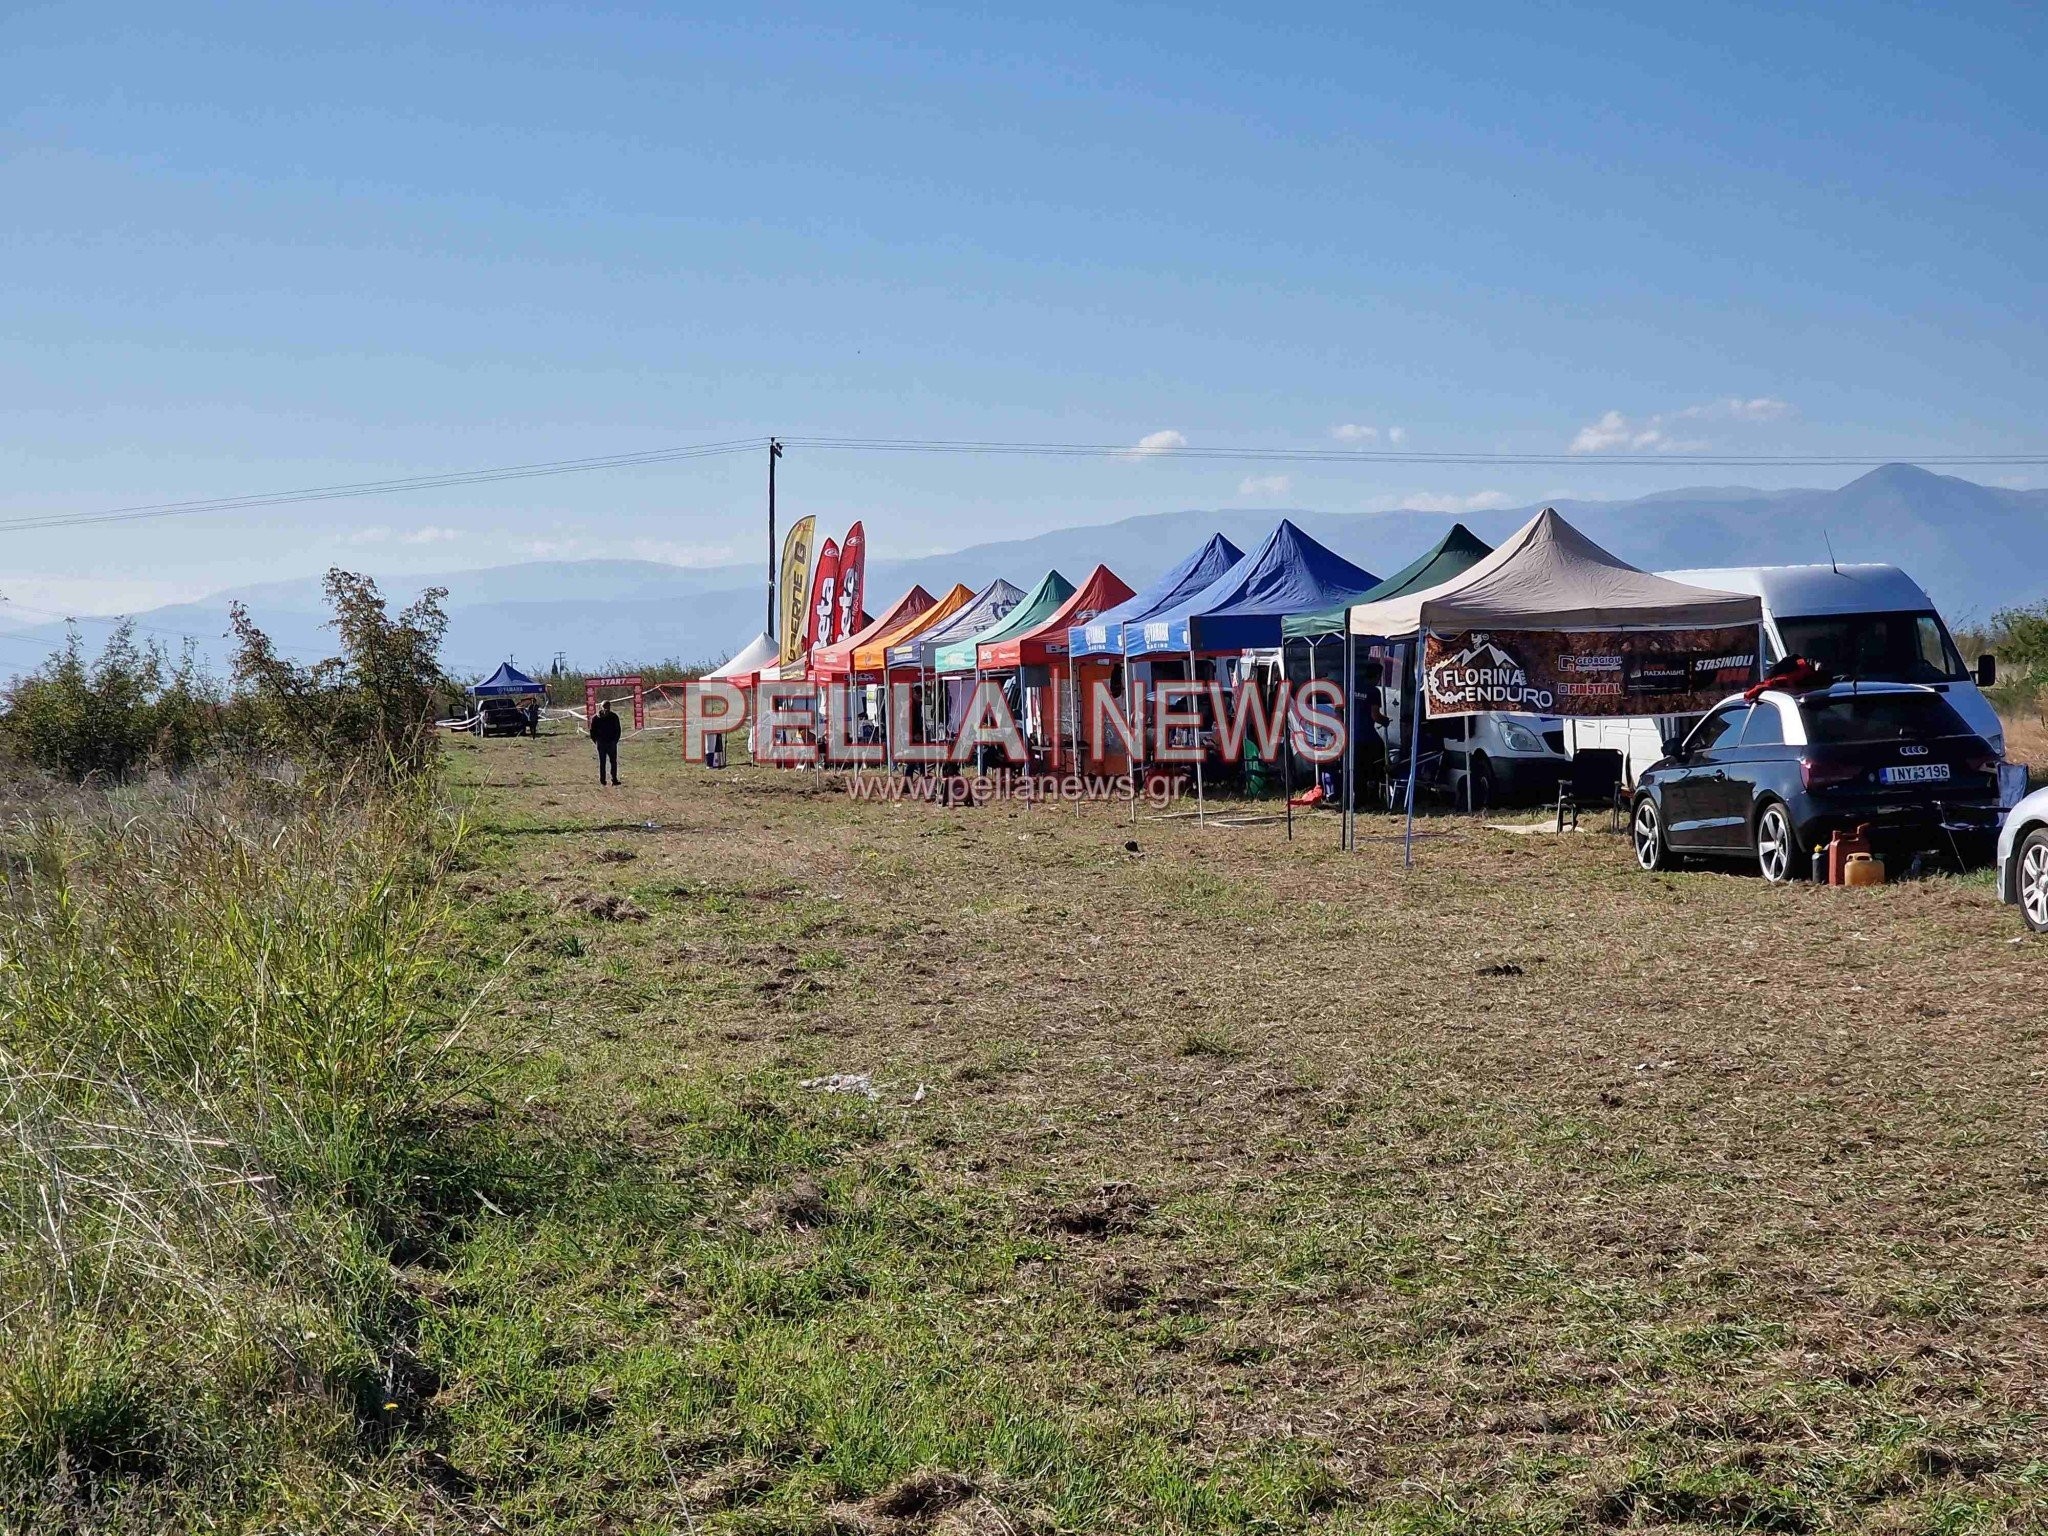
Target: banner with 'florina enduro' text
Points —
{"points": [[1591, 672]]}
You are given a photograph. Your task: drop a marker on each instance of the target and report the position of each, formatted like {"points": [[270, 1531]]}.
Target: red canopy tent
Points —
{"points": [[1046, 645], [834, 663]]}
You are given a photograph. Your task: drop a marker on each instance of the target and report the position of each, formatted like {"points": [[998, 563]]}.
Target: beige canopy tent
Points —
{"points": [[1548, 575], [1545, 576]]}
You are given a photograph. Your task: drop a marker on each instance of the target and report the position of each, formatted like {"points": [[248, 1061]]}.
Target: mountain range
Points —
{"points": [[1975, 548]]}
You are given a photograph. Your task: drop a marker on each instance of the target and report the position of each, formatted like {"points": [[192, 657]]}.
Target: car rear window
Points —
{"points": [[1845, 720]]}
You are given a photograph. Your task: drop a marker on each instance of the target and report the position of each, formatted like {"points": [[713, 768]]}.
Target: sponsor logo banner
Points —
{"points": [[1593, 672], [796, 587]]}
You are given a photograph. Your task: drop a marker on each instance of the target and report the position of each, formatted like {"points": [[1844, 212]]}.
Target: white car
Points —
{"points": [[2023, 860]]}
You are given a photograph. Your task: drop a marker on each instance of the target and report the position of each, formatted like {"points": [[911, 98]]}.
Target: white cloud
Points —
{"points": [[1615, 430], [1762, 408], [1357, 433], [1265, 485], [381, 534], [1652, 434], [1160, 442], [1478, 501]]}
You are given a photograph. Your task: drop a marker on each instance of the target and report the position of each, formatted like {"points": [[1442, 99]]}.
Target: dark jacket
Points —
{"points": [[605, 729]]}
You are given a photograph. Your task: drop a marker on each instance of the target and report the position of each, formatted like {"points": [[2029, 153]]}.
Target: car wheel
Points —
{"points": [[1483, 788], [1646, 832], [2033, 880], [1777, 846]]}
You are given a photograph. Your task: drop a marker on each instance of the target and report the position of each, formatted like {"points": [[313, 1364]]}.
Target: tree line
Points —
{"points": [[137, 706]]}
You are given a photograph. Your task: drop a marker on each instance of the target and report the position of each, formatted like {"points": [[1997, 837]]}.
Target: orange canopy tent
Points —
{"points": [[871, 656], [838, 661]]}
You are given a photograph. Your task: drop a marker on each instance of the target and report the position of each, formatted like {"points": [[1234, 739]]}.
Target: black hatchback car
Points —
{"points": [[1773, 779]]}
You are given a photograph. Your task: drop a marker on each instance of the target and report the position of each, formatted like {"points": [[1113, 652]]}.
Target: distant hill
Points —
{"points": [[1976, 548]]}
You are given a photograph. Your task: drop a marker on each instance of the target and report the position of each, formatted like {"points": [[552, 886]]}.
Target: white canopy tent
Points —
{"points": [[756, 656], [1545, 576]]}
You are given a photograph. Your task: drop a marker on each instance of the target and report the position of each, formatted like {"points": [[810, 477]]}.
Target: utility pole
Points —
{"points": [[774, 453]]}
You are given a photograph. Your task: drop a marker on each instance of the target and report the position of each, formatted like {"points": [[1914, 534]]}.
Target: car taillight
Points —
{"points": [[1984, 762], [1826, 775]]}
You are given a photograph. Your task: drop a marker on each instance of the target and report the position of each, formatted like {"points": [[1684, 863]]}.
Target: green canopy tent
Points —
{"points": [[1452, 555], [1039, 604]]}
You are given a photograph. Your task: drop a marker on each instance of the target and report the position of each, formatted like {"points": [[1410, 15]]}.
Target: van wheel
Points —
{"points": [[1483, 787], [1777, 845], [1646, 833]]}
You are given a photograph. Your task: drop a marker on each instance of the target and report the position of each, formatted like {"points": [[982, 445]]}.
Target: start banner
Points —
{"points": [[1588, 672]]}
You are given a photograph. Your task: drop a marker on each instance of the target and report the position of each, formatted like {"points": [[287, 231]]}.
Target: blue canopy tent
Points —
{"points": [[507, 680], [1245, 607], [1103, 634]]}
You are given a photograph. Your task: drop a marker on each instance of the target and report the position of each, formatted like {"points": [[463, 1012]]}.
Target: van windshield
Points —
{"points": [[1877, 647]]}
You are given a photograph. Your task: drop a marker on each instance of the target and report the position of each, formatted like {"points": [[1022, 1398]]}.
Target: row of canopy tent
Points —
{"points": [[1218, 601], [1221, 601]]}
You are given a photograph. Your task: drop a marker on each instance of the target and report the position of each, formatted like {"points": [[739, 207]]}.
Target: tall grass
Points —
{"points": [[221, 1034]]}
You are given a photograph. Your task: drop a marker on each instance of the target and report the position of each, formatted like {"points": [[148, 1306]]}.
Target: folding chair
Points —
{"points": [[1595, 782]]}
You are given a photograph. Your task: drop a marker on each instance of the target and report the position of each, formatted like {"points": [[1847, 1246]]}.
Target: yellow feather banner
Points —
{"points": [[795, 599]]}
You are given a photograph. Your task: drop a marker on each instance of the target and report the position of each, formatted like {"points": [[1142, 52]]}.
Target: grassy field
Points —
{"points": [[723, 1154], [1219, 1183]]}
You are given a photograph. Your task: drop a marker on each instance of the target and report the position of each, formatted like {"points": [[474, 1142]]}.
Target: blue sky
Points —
{"points": [[249, 247]]}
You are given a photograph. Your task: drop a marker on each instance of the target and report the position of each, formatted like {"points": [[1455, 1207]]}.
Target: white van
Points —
{"points": [[1508, 757], [1872, 623], [1486, 759]]}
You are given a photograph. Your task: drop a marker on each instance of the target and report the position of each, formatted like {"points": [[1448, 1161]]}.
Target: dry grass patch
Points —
{"points": [[1522, 1192]]}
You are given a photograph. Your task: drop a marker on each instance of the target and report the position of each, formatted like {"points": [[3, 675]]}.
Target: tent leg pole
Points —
{"points": [[1287, 740], [1414, 754], [1130, 748], [1201, 806], [1471, 791], [1074, 691], [1347, 836]]}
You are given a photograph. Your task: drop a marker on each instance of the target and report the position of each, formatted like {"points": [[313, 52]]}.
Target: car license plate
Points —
{"points": [[1914, 773]]}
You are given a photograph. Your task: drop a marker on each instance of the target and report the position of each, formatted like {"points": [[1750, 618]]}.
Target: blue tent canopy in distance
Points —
{"points": [[508, 679], [1243, 609], [1103, 635]]}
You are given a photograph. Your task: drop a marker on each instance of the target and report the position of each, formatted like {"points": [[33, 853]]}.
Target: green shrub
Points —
{"points": [[369, 710], [133, 708]]}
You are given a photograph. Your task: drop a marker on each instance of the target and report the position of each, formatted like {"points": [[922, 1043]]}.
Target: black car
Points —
{"points": [[503, 716], [1774, 779]]}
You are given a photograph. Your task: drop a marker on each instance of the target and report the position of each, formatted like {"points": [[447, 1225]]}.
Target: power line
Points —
{"points": [[1387, 455], [383, 487], [973, 447]]}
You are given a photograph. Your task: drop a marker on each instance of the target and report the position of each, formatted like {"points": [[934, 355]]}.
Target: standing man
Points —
{"points": [[604, 730]]}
